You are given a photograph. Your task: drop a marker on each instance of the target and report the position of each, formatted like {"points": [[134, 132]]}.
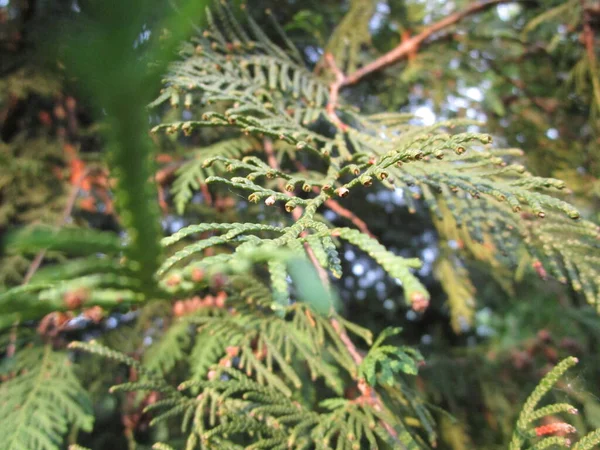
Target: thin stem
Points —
{"points": [[334, 90], [35, 264], [346, 213], [356, 356], [163, 177], [368, 394]]}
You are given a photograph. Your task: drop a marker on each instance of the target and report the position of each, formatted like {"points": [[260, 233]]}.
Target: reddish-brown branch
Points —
{"points": [[271, 159], [334, 90], [356, 356], [346, 213], [409, 46], [54, 322], [206, 194], [11, 348], [162, 177], [167, 173], [588, 42], [368, 395]]}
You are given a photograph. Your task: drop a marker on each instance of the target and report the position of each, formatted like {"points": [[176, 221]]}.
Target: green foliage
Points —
{"points": [[26, 163], [271, 355], [268, 94], [170, 349], [391, 360], [588, 441], [88, 280], [351, 34], [193, 173], [97, 43], [460, 291], [529, 414], [269, 361], [585, 74], [41, 400]]}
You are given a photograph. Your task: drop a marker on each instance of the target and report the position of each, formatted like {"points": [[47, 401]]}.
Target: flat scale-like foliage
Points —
{"points": [[269, 361], [40, 400]]}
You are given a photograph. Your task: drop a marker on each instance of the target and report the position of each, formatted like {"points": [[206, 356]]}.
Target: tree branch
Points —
{"points": [[334, 90], [339, 209], [356, 356], [296, 214], [408, 47], [368, 394], [589, 41], [346, 213], [411, 45]]}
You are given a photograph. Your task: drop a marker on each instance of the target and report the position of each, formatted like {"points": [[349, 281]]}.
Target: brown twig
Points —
{"points": [[35, 264], [588, 42], [346, 213], [271, 159], [166, 174], [162, 177], [334, 91], [37, 261], [368, 395], [356, 356], [11, 348], [409, 46]]}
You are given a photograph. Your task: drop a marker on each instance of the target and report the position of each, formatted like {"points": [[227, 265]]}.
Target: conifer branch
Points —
{"points": [[409, 46], [42, 400], [296, 214], [368, 394], [259, 339], [340, 210]]}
